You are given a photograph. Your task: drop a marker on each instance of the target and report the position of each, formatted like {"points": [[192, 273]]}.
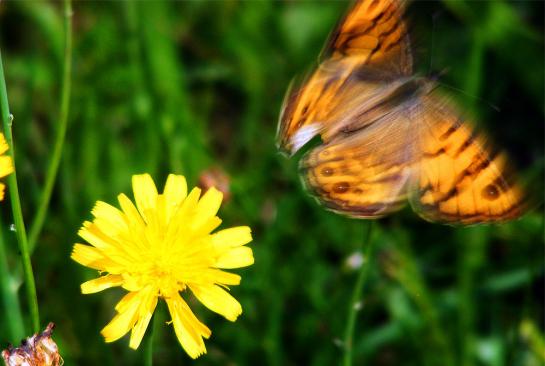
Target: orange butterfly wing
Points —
{"points": [[365, 174], [374, 34], [371, 44], [420, 150], [387, 135], [460, 177]]}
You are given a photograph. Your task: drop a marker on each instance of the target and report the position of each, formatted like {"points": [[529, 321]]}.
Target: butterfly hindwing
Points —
{"points": [[364, 174], [460, 177]]}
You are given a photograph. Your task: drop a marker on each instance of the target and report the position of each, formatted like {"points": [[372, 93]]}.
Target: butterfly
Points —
{"points": [[389, 136]]}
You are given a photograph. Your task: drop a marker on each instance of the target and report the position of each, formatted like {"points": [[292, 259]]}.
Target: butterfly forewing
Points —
{"points": [[373, 34], [371, 44]]}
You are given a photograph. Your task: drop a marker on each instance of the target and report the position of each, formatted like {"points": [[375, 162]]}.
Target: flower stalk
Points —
{"points": [[148, 343], [354, 305], [20, 231], [13, 314]]}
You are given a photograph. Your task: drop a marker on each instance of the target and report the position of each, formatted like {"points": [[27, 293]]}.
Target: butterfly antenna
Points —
{"points": [[430, 68], [435, 76], [493, 106], [432, 48]]}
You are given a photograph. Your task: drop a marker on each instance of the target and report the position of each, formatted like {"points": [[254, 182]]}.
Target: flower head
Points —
{"points": [[159, 249], [6, 165]]}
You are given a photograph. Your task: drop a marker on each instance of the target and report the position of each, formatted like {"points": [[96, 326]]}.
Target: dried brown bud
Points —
{"points": [[215, 177], [38, 350]]}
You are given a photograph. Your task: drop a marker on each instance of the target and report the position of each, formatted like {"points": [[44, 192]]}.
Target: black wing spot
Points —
{"points": [[341, 187], [490, 192], [327, 171]]}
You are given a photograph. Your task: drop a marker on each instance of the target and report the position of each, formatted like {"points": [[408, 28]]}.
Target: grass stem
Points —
{"points": [[53, 168], [10, 300], [13, 189], [354, 306]]}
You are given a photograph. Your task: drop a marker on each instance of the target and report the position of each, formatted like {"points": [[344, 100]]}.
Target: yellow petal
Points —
{"points": [[109, 219], [3, 144], [148, 301], [139, 330], [208, 207], [210, 202], [145, 193], [136, 225], [6, 166], [224, 278], [190, 203], [189, 330], [127, 301], [92, 234], [231, 238], [120, 253], [2, 191], [218, 300], [175, 192], [207, 226], [122, 322], [183, 217], [147, 308], [101, 283], [132, 214], [93, 258], [235, 258], [175, 188]]}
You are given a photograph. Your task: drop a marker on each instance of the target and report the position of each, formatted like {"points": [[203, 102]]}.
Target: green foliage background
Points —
{"points": [[181, 87]]}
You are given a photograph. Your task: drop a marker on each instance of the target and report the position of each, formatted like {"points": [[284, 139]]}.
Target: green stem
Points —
{"points": [[20, 231], [411, 279], [354, 306], [9, 296], [148, 346], [472, 257], [41, 212]]}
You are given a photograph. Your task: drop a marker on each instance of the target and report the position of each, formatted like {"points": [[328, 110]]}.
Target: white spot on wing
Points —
{"points": [[304, 135]]}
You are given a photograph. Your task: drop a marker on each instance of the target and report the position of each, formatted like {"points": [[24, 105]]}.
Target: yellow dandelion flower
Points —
{"points": [[158, 249], [6, 166]]}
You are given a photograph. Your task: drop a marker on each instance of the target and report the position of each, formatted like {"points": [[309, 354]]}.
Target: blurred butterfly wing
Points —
{"points": [[460, 178], [386, 136], [373, 37], [306, 108], [371, 45], [364, 174]]}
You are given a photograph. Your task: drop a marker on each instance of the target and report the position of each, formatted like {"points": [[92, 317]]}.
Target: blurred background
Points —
{"points": [[194, 87]]}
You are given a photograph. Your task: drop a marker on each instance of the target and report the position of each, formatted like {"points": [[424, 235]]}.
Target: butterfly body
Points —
{"points": [[389, 136]]}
